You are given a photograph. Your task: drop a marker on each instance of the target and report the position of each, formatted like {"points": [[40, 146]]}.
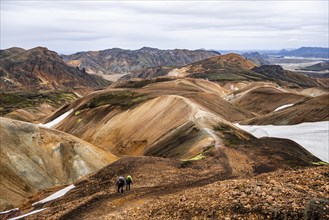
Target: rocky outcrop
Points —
{"points": [[256, 58], [277, 73], [119, 61], [40, 68]]}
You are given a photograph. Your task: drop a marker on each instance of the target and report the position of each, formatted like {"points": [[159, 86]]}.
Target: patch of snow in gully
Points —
{"points": [[313, 136], [57, 120], [56, 195], [282, 107], [27, 214], [10, 210]]}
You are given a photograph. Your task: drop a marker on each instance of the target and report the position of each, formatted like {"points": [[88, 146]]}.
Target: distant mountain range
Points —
{"points": [[318, 52], [314, 52], [40, 68], [120, 61]]}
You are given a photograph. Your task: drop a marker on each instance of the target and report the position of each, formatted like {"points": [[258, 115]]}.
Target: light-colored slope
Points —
{"points": [[265, 99], [185, 86], [310, 110], [173, 119], [35, 158], [165, 126]]}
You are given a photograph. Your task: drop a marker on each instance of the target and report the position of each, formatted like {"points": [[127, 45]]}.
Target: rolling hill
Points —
{"points": [[33, 106], [178, 118], [307, 110], [235, 68], [323, 66], [265, 99], [34, 158], [225, 67]]}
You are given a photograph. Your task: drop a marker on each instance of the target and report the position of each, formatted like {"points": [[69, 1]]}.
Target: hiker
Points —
{"points": [[129, 180], [121, 182]]}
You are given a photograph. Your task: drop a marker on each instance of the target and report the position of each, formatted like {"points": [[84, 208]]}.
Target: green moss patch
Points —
{"points": [[122, 99], [230, 136], [20, 100], [321, 163]]}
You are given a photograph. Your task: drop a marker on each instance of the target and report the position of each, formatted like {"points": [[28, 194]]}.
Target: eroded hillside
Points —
{"points": [[42, 69], [35, 158]]}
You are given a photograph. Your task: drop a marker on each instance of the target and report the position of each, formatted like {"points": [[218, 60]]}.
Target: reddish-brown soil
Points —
{"points": [[309, 110], [169, 189]]}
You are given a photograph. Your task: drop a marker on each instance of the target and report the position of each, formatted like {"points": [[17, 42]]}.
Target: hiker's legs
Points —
{"points": [[120, 187]]}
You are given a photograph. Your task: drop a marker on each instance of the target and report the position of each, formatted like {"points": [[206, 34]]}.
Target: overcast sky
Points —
{"points": [[71, 26]]}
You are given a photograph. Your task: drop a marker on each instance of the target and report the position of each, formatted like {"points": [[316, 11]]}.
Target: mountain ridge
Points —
{"points": [[41, 69], [319, 52], [120, 61]]}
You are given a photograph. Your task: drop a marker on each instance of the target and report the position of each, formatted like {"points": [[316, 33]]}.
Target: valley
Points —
{"points": [[204, 135]]}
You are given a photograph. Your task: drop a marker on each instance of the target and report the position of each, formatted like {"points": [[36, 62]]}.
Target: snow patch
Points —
{"points": [[56, 195], [282, 107], [57, 120], [27, 214], [10, 210], [313, 136]]}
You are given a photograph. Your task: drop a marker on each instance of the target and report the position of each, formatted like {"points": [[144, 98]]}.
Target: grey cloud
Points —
{"points": [[211, 24]]}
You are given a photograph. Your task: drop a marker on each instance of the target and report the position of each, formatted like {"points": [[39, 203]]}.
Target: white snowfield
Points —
{"points": [[27, 214], [56, 195], [57, 120], [313, 136], [283, 107]]}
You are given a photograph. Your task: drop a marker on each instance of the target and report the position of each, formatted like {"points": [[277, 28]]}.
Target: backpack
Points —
{"points": [[121, 180], [129, 178]]}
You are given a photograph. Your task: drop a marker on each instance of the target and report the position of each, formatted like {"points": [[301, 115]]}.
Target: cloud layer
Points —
{"points": [[70, 26]]}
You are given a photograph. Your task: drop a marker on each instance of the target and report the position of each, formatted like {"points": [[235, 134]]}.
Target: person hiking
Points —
{"points": [[129, 180], [121, 182]]}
